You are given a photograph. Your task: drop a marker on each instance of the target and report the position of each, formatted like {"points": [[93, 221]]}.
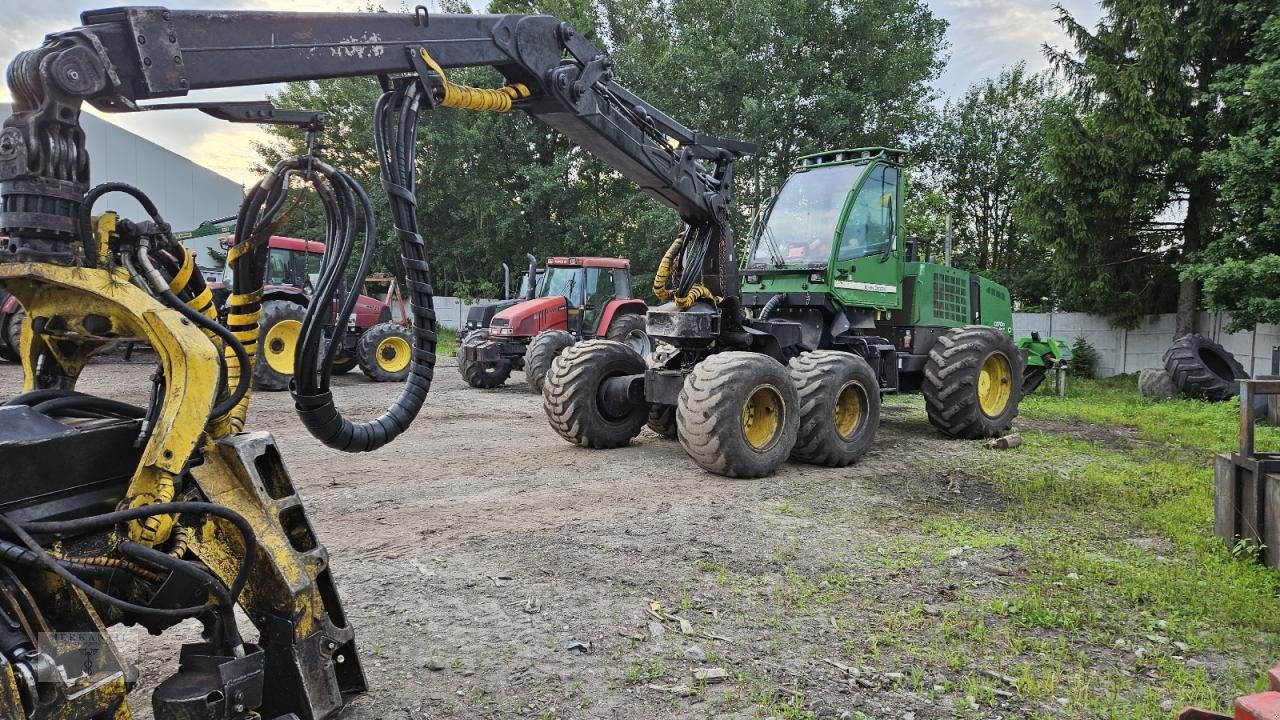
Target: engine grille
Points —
{"points": [[949, 298]]}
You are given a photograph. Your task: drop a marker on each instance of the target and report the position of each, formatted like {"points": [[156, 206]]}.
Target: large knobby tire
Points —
{"points": [[839, 407], [278, 332], [629, 329], [385, 352], [738, 414], [11, 335], [662, 420], [545, 347], [483, 375], [973, 382], [571, 394], [1203, 369]]}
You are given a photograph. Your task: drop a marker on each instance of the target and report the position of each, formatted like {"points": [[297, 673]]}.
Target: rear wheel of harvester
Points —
{"points": [[483, 375], [278, 332], [11, 335], [973, 382], [1201, 368], [385, 352], [738, 414], [662, 420], [630, 330], [571, 395], [839, 407], [545, 347]]}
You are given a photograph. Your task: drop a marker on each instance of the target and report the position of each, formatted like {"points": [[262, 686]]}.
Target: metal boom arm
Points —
{"points": [[124, 55]]}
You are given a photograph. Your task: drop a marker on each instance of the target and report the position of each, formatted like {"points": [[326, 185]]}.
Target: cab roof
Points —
{"points": [[594, 262], [848, 155], [283, 243]]}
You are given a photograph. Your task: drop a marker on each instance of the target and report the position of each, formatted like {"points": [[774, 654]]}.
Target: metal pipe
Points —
{"points": [[946, 243], [506, 281], [533, 276]]}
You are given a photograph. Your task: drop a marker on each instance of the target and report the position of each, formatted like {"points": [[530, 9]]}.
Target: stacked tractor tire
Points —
{"points": [[1196, 368]]}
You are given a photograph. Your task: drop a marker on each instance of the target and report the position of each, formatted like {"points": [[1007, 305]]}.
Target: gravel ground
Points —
{"points": [[492, 570]]}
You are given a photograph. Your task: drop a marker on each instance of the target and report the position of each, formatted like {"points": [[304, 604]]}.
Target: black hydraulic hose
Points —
{"points": [[48, 562], [395, 133], [225, 606], [228, 338], [16, 554], [86, 214], [38, 396], [78, 526], [98, 406], [771, 305]]}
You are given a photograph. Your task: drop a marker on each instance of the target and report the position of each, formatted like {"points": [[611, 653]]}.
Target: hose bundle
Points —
{"points": [[348, 214]]}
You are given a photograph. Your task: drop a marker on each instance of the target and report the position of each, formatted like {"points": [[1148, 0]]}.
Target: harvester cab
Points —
{"points": [[575, 298]]}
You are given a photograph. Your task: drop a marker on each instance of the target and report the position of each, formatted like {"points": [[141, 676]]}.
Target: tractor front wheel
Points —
{"points": [[738, 414], [483, 375], [545, 347], [839, 407], [385, 352], [278, 331], [571, 395], [973, 382]]}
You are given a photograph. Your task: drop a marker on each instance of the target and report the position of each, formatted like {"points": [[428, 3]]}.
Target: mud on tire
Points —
{"points": [[738, 414], [839, 407], [545, 347], [478, 374], [571, 394], [1201, 368], [955, 388], [274, 352]]}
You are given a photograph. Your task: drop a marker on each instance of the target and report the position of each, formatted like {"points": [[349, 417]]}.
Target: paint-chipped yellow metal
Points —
{"points": [[393, 354], [995, 385], [280, 345], [762, 417], [848, 409], [80, 311]]}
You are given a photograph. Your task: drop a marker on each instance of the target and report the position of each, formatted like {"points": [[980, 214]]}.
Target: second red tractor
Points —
{"points": [[576, 298]]}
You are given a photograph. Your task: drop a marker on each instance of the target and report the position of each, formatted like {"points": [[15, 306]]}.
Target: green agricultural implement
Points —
{"points": [[830, 252], [832, 307]]}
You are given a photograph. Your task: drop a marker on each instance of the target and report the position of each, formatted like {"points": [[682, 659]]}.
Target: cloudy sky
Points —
{"points": [[984, 35]]}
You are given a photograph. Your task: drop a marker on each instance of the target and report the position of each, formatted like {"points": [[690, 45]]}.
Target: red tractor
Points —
{"points": [[576, 298], [382, 348]]}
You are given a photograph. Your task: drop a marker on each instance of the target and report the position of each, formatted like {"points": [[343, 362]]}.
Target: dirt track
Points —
{"points": [[475, 552]]}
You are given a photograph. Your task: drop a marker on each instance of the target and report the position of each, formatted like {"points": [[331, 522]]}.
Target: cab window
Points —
{"points": [[871, 225], [599, 286]]}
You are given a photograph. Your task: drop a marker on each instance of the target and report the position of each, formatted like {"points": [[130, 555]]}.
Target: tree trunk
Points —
{"points": [[1189, 290]]}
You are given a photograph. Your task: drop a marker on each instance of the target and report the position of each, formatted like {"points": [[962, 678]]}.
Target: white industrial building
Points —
{"points": [[186, 194]]}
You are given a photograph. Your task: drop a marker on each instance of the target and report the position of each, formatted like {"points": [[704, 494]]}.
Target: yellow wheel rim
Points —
{"points": [[995, 385], [281, 344], [393, 354], [762, 416], [848, 410]]}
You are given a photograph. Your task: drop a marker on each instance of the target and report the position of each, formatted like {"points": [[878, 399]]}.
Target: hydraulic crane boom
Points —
{"points": [[126, 55]]}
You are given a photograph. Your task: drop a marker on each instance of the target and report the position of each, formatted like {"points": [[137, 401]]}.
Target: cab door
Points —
{"points": [[867, 263]]}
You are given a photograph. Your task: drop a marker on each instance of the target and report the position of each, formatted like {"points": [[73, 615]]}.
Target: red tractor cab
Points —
{"points": [[382, 348], [576, 298]]}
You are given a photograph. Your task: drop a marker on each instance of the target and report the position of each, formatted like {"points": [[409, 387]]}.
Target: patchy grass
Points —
{"points": [[446, 341], [1094, 587]]}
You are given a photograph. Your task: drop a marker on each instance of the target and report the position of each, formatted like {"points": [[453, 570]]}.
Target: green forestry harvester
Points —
{"points": [[833, 288]]}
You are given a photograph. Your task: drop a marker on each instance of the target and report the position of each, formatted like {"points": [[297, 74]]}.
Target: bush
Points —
{"points": [[1084, 359]]}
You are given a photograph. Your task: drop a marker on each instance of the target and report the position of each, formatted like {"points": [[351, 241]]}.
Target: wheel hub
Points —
{"points": [[762, 417], [281, 345], [848, 410], [995, 385], [393, 354]]}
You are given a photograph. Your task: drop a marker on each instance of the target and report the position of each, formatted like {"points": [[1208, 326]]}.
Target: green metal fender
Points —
{"points": [[1043, 355]]}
